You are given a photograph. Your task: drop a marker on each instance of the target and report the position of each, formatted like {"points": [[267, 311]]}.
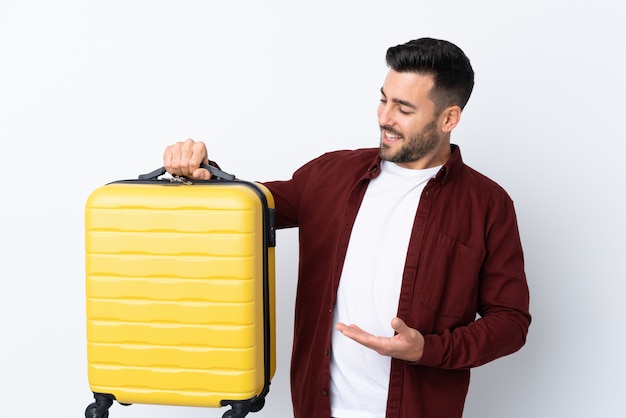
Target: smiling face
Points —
{"points": [[412, 134]]}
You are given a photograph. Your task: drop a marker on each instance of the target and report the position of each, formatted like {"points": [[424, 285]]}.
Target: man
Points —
{"points": [[411, 268]]}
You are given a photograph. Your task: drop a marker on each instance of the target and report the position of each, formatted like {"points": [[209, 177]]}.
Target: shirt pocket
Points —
{"points": [[451, 282]]}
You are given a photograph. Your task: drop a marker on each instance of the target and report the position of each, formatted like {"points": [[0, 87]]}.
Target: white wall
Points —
{"points": [[92, 91]]}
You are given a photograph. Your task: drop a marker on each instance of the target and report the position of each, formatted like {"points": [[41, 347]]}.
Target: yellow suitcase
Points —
{"points": [[180, 293]]}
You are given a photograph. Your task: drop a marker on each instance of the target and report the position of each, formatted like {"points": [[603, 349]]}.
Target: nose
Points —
{"points": [[384, 115]]}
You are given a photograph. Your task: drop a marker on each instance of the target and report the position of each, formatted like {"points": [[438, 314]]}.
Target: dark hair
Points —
{"points": [[446, 62]]}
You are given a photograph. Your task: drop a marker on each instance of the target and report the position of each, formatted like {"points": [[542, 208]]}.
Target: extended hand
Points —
{"points": [[407, 344]]}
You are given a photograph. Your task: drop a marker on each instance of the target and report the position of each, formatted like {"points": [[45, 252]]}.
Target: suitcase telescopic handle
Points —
{"points": [[215, 172]]}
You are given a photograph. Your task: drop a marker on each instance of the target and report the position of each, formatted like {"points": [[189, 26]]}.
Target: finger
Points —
{"points": [[194, 154], [340, 326], [404, 331], [352, 329], [184, 158], [168, 159], [173, 158], [400, 326], [410, 341], [360, 336], [201, 174]]}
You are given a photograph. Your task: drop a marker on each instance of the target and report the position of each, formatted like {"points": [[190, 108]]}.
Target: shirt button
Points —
{"points": [[326, 352], [324, 392]]}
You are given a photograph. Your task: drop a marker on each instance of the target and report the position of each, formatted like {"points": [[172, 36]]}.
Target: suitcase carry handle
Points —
{"points": [[215, 172]]}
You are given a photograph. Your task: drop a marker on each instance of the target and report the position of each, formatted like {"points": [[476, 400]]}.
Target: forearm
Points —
{"points": [[477, 343]]}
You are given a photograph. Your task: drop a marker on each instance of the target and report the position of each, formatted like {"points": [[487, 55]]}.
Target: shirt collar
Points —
{"points": [[452, 166], [449, 169]]}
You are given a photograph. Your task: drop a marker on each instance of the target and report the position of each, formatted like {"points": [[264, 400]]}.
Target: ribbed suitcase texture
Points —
{"points": [[180, 292]]}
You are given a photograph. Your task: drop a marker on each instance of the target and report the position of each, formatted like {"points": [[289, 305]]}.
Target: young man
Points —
{"points": [[411, 267]]}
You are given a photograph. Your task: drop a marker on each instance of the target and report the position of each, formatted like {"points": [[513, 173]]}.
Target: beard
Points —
{"points": [[415, 148]]}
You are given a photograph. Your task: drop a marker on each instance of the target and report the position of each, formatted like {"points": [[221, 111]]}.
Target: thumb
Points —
{"points": [[201, 174], [399, 326]]}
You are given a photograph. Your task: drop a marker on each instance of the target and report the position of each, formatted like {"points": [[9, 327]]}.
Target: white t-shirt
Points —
{"points": [[369, 289]]}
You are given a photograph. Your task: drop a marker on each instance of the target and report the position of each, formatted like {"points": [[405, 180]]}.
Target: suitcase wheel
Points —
{"points": [[257, 405], [92, 412], [100, 408]]}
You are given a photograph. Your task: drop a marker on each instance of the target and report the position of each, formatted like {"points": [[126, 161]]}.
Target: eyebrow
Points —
{"points": [[402, 102]]}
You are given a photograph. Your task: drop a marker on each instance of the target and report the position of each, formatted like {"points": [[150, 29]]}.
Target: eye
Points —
{"points": [[404, 111]]}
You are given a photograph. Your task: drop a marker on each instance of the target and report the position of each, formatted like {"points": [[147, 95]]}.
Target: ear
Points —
{"points": [[449, 118]]}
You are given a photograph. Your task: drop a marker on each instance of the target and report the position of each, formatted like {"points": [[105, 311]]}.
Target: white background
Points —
{"points": [[93, 91]]}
